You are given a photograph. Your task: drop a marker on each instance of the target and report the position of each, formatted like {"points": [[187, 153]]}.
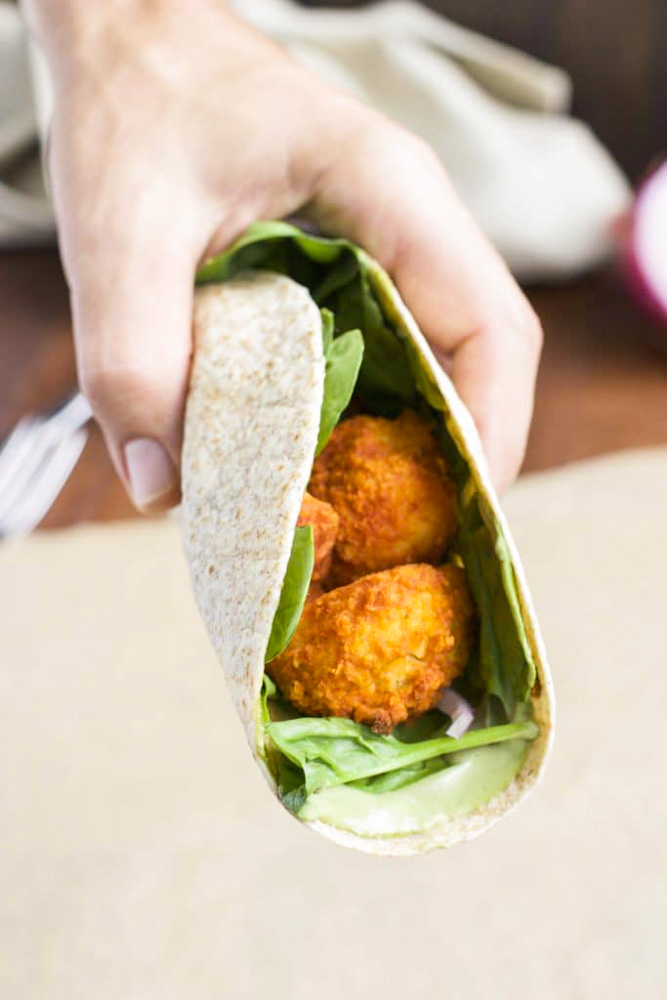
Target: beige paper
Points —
{"points": [[142, 858]]}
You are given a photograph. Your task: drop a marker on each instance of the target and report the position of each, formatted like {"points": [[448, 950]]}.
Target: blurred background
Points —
{"points": [[603, 381], [614, 50]]}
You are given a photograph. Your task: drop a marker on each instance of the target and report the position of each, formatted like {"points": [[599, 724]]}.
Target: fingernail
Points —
{"points": [[150, 471]]}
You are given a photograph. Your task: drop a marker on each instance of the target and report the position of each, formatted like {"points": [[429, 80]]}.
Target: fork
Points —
{"points": [[36, 460]]}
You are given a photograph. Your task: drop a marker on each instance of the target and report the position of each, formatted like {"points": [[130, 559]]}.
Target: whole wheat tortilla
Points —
{"points": [[251, 426], [250, 434]]}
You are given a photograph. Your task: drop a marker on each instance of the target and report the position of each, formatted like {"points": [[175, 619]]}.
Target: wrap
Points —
{"points": [[263, 386]]}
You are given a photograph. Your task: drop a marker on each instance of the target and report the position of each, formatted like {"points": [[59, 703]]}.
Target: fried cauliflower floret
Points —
{"points": [[381, 649], [315, 590], [389, 484], [324, 521]]}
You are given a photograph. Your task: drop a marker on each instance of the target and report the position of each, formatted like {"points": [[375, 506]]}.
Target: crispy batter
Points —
{"points": [[324, 521], [389, 484], [381, 649], [315, 590]]}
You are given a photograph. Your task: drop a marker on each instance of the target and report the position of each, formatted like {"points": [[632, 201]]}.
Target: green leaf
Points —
{"points": [[335, 751], [423, 727], [269, 690], [293, 593], [386, 382], [343, 364], [504, 665], [391, 781], [327, 330]]}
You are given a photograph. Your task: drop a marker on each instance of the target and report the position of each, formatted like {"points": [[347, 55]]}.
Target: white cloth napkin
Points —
{"points": [[25, 213], [539, 183]]}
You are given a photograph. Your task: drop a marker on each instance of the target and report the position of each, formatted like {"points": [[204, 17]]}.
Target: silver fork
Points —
{"points": [[36, 460]]}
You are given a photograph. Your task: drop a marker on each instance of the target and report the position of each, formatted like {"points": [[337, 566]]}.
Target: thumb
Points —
{"points": [[132, 308]]}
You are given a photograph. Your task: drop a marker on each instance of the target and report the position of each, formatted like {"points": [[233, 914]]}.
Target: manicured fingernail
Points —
{"points": [[150, 471]]}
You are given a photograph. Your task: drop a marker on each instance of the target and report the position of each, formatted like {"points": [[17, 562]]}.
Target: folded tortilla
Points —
{"points": [[252, 423]]}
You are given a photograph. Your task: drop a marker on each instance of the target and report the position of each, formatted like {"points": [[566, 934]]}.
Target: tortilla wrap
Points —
{"points": [[251, 430]]}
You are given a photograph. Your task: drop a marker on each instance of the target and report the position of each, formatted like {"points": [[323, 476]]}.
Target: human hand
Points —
{"points": [[172, 132]]}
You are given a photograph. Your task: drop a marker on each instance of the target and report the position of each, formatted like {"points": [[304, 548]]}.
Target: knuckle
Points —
{"points": [[525, 325], [533, 330], [377, 140], [422, 155], [406, 152], [111, 389]]}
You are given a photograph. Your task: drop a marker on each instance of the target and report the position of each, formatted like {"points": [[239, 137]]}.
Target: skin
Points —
{"points": [[172, 132]]}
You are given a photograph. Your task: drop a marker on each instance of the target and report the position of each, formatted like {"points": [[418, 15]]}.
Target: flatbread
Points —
{"points": [[251, 428]]}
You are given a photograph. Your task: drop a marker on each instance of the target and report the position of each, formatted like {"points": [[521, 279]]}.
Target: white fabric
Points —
{"points": [[539, 183], [142, 857], [25, 214]]}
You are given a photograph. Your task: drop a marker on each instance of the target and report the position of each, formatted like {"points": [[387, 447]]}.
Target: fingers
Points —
{"points": [[131, 293], [494, 373], [391, 195]]}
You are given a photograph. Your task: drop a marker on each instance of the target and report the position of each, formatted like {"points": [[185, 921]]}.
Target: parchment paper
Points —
{"points": [[142, 858]]}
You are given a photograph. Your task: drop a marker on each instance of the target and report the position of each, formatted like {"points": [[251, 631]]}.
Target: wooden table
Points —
{"points": [[602, 386]]}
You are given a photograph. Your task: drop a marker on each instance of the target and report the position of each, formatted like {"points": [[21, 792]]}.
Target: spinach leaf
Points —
{"points": [[504, 665], [293, 592], [334, 751], [386, 384], [327, 329], [269, 690], [391, 781], [343, 362], [423, 727]]}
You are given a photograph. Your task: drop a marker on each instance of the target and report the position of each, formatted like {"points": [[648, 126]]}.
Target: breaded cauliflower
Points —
{"points": [[389, 485], [324, 521], [381, 649]]}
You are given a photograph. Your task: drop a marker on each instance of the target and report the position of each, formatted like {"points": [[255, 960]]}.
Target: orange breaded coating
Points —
{"points": [[389, 484], [324, 521], [314, 591], [381, 649]]}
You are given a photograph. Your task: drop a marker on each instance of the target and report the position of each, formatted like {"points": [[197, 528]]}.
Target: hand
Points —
{"points": [[173, 131]]}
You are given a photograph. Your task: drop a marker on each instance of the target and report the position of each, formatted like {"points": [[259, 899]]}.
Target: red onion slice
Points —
{"points": [[460, 711]]}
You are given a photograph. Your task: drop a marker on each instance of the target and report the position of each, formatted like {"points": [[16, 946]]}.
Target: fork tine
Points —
{"points": [[45, 485], [31, 442], [74, 414], [35, 462], [36, 446], [16, 446]]}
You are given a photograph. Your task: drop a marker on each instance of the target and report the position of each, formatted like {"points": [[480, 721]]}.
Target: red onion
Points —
{"points": [[460, 711], [644, 256]]}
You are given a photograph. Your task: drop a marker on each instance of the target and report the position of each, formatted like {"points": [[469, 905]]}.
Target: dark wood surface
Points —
{"points": [[602, 386], [614, 50]]}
